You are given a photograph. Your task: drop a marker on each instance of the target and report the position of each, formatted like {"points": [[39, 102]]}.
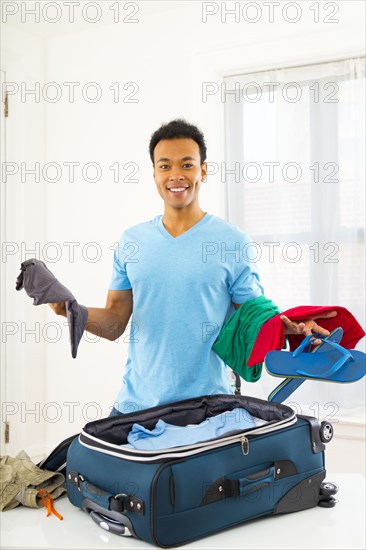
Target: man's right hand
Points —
{"points": [[59, 308], [109, 322]]}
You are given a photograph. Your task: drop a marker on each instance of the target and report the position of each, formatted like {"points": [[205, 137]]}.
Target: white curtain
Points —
{"points": [[295, 181]]}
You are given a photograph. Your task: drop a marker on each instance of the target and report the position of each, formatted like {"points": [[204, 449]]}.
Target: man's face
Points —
{"points": [[177, 165]]}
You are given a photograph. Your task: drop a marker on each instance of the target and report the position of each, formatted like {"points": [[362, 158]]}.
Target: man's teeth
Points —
{"points": [[177, 189]]}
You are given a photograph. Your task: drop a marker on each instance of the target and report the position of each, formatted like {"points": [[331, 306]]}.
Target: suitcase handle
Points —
{"points": [[120, 502], [109, 525], [253, 481], [109, 520], [226, 488]]}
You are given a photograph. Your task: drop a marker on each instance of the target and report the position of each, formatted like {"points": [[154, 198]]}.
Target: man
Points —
{"points": [[179, 275]]}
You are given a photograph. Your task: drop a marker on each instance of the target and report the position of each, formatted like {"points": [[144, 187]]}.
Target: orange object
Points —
{"points": [[48, 503]]}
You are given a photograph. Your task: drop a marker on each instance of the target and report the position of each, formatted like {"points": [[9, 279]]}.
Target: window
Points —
{"points": [[295, 181]]}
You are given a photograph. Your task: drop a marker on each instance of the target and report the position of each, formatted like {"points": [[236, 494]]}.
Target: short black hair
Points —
{"points": [[178, 128]]}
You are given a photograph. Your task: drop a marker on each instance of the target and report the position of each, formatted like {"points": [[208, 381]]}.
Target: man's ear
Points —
{"points": [[204, 171], [153, 166]]}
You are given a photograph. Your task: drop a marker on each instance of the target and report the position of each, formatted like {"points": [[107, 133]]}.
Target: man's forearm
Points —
{"points": [[104, 323]]}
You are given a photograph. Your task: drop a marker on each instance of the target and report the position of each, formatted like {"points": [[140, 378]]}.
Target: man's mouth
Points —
{"points": [[178, 190]]}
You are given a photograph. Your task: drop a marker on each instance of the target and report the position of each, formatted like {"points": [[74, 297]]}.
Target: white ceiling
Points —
{"points": [[45, 29]]}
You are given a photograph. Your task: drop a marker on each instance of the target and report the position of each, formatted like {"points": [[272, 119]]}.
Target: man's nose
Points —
{"points": [[176, 176]]}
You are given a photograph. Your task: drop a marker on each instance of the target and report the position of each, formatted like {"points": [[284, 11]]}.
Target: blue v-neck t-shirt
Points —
{"points": [[183, 291]]}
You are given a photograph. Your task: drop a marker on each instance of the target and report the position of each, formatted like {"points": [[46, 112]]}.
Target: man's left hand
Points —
{"points": [[307, 326]]}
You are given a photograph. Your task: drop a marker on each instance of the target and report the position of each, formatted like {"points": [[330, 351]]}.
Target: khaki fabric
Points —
{"points": [[20, 480]]}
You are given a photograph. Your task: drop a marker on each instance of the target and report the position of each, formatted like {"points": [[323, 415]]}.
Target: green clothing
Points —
{"points": [[21, 479], [238, 335]]}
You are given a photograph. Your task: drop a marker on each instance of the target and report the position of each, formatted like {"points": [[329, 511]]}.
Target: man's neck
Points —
{"points": [[177, 221]]}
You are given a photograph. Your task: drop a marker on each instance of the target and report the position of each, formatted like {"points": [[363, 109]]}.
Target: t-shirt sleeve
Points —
{"points": [[120, 280], [244, 280]]}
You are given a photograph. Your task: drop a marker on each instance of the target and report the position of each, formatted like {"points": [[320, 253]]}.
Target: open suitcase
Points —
{"points": [[173, 496]]}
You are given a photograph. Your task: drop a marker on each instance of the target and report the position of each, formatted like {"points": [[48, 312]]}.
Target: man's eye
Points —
{"points": [[187, 165], [164, 166]]}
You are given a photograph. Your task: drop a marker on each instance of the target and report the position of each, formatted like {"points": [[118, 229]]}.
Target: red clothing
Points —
{"points": [[272, 334]]}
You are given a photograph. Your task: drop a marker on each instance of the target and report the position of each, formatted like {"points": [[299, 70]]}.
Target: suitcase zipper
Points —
{"points": [[244, 445], [99, 445]]}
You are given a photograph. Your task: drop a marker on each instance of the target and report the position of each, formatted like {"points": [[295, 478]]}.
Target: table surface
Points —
{"points": [[319, 528]]}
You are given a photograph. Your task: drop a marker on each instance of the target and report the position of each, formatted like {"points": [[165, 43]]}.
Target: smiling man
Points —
{"points": [[178, 174], [180, 275]]}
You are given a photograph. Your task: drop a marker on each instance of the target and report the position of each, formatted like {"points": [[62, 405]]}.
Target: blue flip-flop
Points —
{"points": [[289, 385], [333, 365]]}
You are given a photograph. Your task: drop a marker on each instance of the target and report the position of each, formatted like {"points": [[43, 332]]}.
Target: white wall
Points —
{"points": [[169, 55]]}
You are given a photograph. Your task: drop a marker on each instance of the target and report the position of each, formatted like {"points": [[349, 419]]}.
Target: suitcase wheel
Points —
{"points": [[328, 488], [327, 502], [326, 432]]}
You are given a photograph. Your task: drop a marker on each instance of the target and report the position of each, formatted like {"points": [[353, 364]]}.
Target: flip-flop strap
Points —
{"points": [[315, 335], [306, 342], [346, 355]]}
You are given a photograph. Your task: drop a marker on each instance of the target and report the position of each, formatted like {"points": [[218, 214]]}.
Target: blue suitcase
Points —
{"points": [[173, 496]]}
